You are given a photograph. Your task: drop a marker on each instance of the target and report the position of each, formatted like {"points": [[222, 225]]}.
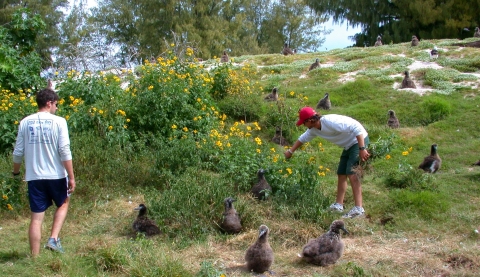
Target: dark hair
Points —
{"points": [[314, 118], [44, 96]]}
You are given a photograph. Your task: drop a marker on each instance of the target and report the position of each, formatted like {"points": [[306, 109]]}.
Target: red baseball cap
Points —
{"points": [[304, 114]]}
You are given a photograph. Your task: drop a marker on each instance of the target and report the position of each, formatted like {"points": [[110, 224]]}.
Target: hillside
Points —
{"points": [[416, 224]]}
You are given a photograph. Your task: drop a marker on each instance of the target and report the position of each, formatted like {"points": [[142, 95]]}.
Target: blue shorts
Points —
{"points": [[349, 159], [41, 193]]}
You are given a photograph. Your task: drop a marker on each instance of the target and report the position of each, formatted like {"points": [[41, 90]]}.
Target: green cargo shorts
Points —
{"points": [[350, 158]]}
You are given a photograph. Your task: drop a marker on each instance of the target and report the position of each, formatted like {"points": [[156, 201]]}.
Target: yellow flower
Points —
{"points": [[388, 157], [67, 117], [322, 174], [128, 119], [9, 207], [405, 153], [172, 45], [258, 140], [16, 122], [292, 93], [110, 127], [10, 105], [410, 149], [272, 149], [5, 197], [259, 151], [185, 129], [150, 87], [174, 126], [100, 111], [125, 126], [199, 100], [289, 170]]}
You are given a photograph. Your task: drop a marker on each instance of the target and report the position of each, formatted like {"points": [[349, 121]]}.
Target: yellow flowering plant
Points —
{"points": [[11, 194]]}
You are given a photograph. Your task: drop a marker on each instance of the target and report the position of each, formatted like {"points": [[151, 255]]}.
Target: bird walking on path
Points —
{"points": [[324, 103], [326, 249], [231, 222], [407, 82], [432, 162], [392, 120], [259, 256], [143, 224], [379, 41]]}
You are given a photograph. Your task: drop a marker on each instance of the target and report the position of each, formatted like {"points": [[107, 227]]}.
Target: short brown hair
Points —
{"points": [[44, 96]]}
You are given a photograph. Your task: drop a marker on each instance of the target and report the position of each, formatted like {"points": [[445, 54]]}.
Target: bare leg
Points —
{"points": [[356, 189], [341, 188], [35, 232], [59, 219]]}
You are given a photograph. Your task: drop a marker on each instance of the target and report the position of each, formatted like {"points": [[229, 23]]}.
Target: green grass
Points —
{"points": [[416, 225]]}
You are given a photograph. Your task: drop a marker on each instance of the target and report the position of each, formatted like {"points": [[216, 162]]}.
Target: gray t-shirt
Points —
{"points": [[43, 141]]}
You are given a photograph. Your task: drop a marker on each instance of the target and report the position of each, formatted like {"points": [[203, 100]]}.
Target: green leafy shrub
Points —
{"points": [[12, 193], [434, 109]]}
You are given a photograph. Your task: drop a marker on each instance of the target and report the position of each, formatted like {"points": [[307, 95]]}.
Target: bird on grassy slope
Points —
{"points": [[392, 120], [432, 162], [278, 138], [379, 41], [259, 256], [230, 219], [273, 96], [407, 82], [326, 249], [477, 32], [286, 50], [434, 53], [262, 188], [414, 41], [143, 224], [314, 65], [476, 163], [324, 103], [224, 58]]}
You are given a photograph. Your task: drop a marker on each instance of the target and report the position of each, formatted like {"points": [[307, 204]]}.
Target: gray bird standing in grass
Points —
{"points": [[314, 65], [278, 138], [286, 50], [224, 58], [326, 249], [432, 162], [414, 41], [143, 224], [259, 256], [324, 103], [434, 53], [392, 120], [262, 188], [231, 222], [477, 32], [407, 82], [273, 96], [379, 41]]}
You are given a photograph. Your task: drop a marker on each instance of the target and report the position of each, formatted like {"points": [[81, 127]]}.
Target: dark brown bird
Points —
{"points": [[261, 189], [414, 41], [431, 163], [259, 256], [434, 53], [476, 163], [278, 138], [314, 65], [324, 103], [326, 249], [477, 32], [286, 50], [231, 222], [379, 41], [407, 82], [224, 58], [273, 96], [393, 120], [143, 224]]}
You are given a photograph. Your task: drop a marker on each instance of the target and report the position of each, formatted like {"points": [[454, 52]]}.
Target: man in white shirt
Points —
{"points": [[347, 133], [44, 143]]}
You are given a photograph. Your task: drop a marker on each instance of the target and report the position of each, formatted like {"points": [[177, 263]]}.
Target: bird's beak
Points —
{"points": [[137, 209], [345, 230], [262, 233]]}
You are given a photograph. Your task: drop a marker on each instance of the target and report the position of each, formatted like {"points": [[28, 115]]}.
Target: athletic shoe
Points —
{"points": [[54, 245], [336, 207], [355, 212]]}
